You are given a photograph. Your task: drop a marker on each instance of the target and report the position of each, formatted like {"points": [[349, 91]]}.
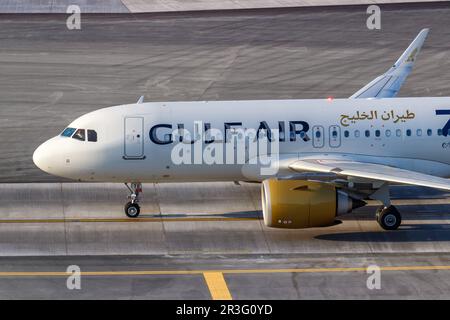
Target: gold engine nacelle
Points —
{"points": [[296, 204]]}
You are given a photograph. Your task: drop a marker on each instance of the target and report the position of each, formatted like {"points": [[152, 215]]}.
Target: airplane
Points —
{"points": [[316, 159]]}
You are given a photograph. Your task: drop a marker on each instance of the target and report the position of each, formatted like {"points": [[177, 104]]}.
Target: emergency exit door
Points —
{"points": [[134, 138], [335, 136], [318, 137]]}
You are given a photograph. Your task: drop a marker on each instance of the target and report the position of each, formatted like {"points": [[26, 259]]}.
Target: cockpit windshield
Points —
{"points": [[92, 135], [80, 134], [68, 132]]}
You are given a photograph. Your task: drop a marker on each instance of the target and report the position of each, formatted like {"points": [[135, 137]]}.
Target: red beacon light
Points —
{"points": [[330, 99]]}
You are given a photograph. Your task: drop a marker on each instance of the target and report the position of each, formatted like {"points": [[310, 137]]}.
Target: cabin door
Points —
{"points": [[134, 138]]}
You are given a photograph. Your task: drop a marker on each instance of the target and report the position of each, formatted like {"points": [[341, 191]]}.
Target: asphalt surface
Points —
{"points": [[419, 276], [50, 75], [61, 6]]}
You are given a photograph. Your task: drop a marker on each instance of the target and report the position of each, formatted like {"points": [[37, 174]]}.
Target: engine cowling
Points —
{"points": [[296, 204]]}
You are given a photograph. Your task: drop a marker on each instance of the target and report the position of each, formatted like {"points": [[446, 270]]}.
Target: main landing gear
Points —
{"points": [[132, 208], [388, 217]]}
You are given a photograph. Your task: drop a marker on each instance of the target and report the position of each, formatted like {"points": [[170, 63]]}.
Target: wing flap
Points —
{"points": [[371, 171]]}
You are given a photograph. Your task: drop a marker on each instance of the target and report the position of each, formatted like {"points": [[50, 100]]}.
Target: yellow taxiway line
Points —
{"points": [[223, 271], [152, 219], [217, 286], [214, 279]]}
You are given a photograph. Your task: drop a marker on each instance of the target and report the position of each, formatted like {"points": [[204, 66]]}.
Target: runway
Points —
{"points": [[208, 240]]}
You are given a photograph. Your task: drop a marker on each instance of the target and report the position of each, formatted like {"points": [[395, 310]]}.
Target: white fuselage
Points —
{"points": [[135, 142]]}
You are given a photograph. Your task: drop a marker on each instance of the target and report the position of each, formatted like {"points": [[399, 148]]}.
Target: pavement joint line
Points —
{"points": [[223, 271], [217, 286], [130, 220], [155, 219]]}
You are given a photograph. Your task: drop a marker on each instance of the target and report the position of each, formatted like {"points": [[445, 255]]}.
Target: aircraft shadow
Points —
{"points": [[415, 192], [238, 214], [406, 233]]}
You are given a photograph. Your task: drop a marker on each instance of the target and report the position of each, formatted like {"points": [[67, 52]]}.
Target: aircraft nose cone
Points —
{"points": [[39, 157], [45, 156]]}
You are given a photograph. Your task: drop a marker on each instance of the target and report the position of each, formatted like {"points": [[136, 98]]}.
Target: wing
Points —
{"points": [[370, 171], [389, 84]]}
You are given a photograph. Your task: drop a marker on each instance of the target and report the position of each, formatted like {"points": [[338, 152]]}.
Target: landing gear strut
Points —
{"points": [[389, 218], [132, 208], [387, 215]]}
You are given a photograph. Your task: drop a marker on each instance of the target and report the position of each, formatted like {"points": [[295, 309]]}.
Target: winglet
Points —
{"points": [[389, 84]]}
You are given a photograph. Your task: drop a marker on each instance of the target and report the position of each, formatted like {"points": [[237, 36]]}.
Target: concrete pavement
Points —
{"points": [[146, 6], [198, 218]]}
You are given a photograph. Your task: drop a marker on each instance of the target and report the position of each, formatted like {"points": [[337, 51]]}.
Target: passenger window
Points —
{"points": [[388, 133], [68, 132], [367, 133], [356, 133], [408, 132], [377, 133], [429, 132], [346, 133], [398, 132], [92, 135], [318, 134], [80, 134], [334, 133], [419, 132], [439, 132]]}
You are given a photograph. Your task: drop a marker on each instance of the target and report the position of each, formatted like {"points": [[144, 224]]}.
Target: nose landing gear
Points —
{"points": [[132, 208]]}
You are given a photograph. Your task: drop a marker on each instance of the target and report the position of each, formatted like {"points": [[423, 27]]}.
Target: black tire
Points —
{"points": [[390, 218], [132, 210]]}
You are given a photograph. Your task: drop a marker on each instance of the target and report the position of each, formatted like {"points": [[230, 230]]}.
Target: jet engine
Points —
{"points": [[295, 204]]}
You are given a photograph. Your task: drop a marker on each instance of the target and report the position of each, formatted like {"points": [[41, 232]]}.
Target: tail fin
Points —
{"points": [[388, 84]]}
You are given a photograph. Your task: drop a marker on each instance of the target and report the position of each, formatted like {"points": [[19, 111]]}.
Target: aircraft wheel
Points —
{"points": [[132, 210], [389, 218]]}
